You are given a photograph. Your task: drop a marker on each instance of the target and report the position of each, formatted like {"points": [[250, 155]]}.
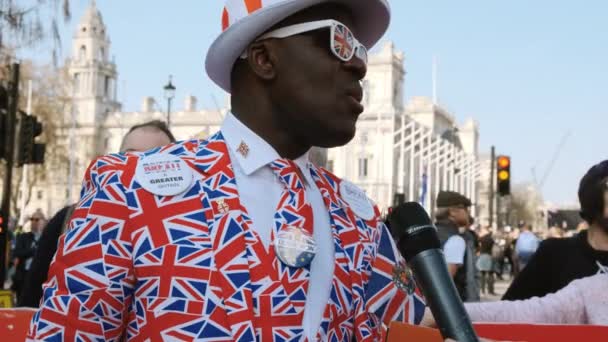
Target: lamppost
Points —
{"points": [[169, 94]]}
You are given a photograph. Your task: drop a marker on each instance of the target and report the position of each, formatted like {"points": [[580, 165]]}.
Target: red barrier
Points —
{"points": [[506, 332], [542, 333], [14, 324]]}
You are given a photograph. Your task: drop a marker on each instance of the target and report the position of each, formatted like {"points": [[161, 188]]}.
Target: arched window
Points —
{"points": [[363, 163], [107, 86], [101, 54], [82, 53], [76, 83], [397, 101]]}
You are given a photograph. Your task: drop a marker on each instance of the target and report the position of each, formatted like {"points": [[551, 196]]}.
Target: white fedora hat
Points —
{"points": [[245, 20]]}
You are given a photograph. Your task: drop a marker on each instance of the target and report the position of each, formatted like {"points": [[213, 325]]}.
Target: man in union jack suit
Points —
{"points": [[240, 237]]}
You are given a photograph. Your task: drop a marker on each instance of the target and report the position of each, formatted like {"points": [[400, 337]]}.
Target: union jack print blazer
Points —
{"points": [[143, 267]]}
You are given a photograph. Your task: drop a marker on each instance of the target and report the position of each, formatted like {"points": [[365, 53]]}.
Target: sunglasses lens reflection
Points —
{"points": [[343, 42]]}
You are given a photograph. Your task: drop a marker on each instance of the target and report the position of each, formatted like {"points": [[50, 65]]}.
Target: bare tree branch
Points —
{"points": [[26, 23]]}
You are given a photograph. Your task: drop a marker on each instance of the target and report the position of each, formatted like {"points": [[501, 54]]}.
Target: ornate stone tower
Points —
{"points": [[93, 77]]}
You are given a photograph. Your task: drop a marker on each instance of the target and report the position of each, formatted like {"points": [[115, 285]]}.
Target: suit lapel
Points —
{"points": [[247, 273], [346, 293], [228, 233]]}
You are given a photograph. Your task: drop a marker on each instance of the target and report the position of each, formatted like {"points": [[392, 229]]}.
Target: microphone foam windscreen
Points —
{"points": [[413, 230]]}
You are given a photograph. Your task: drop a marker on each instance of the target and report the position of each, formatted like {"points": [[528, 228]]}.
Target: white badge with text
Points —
{"points": [[163, 174], [357, 200]]}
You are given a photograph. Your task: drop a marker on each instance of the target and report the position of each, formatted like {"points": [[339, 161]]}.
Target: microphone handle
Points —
{"points": [[431, 272]]}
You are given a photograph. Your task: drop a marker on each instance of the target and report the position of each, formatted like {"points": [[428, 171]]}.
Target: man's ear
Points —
{"points": [[262, 59]]}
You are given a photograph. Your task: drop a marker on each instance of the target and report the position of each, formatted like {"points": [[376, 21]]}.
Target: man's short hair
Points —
{"points": [[447, 199], [155, 125], [159, 125]]}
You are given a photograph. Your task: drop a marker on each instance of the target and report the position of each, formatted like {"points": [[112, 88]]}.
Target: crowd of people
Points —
{"points": [[478, 255], [557, 280], [503, 254]]}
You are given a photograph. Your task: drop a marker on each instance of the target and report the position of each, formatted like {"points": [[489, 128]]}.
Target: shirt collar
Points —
{"points": [[260, 153]]}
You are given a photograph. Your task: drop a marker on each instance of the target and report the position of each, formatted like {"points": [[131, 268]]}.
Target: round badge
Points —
{"points": [[295, 247], [403, 278], [357, 200], [163, 174]]}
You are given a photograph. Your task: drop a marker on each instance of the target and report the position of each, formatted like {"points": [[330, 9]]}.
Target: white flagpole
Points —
{"points": [[434, 79], [401, 166], [421, 167], [410, 184]]}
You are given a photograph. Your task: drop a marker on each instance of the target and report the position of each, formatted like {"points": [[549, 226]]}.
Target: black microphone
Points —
{"points": [[418, 242]]}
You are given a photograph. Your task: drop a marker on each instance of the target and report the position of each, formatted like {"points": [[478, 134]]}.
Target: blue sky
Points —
{"points": [[529, 72]]}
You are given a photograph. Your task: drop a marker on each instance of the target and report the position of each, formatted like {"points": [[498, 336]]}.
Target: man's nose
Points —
{"points": [[357, 66]]}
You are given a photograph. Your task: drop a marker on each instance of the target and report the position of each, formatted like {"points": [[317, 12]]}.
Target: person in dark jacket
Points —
{"points": [[47, 246], [452, 215], [485, 263], [25, 248], [557, 262], [139, 138]]}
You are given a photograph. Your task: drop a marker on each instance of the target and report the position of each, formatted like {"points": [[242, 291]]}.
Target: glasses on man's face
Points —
{"points": [[342, 41], [35, 219]]}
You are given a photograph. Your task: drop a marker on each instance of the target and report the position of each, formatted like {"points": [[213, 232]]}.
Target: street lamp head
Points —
{"points": [[169, 89]]}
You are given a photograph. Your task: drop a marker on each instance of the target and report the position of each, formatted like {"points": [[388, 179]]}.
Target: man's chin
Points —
{"points": [[337, 138]]}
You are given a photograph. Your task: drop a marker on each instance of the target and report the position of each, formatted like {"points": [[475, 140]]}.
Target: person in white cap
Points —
{"points": [[240, 237]]}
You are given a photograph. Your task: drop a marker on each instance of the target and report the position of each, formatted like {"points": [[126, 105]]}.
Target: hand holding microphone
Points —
{"points": [[417, 241]]}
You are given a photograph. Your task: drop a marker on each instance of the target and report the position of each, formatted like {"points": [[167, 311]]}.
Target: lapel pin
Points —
{"points": [[403, 278], [222, 206], [243, 149]]}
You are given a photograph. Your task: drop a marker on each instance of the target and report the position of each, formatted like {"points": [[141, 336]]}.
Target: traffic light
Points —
{"points": [[28, 151], [503, 175]]}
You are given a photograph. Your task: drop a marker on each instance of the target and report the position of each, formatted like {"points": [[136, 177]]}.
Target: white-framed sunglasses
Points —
{"points": [[343, 43]]}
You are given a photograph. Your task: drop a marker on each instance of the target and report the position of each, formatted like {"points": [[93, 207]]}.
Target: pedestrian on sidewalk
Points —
{"points": [[498, 257], [509, 253], [451, 216], [25, 249], [485, 263], [526, 245]]}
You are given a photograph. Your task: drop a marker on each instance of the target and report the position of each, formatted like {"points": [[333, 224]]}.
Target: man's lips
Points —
{"points": [[355, 93]]}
